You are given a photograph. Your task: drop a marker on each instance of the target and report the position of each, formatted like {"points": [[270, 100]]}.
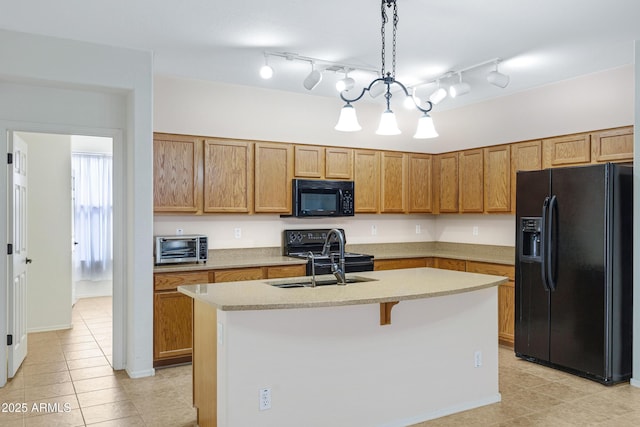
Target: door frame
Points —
{"points": [[119, 230]]}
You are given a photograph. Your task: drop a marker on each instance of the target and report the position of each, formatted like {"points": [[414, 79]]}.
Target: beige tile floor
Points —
{"points": [[73, 368]]}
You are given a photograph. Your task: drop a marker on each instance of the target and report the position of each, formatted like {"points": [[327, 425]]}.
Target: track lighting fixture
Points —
{"points": [[266, 72], [313, 79], [438, 95], [496, 78], [460, 88], [345, 84], [388, 123]]}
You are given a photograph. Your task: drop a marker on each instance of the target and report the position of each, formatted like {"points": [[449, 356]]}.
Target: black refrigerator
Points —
{"points": [[574, 269]]}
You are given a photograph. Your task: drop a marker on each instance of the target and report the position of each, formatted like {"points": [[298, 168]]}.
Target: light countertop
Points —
{"points": [[387, 286]]}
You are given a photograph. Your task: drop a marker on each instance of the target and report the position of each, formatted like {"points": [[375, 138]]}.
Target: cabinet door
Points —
{"points": [[172, 325], [367, 181], [497, 179], [228, 177], [615, 145], [420, 186], [308, 161], [393, 182], [471, 181], [338, 163], [273, 175], [525, 156], [177, 174], [569, 150], [447, 182]]}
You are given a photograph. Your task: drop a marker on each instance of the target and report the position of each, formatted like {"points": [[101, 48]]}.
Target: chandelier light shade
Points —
{"points": [[388, 123], [348, 121], [425, 129]]}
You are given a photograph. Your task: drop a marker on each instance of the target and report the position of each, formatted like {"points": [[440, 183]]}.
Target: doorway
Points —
{"points": [[50, 217]]}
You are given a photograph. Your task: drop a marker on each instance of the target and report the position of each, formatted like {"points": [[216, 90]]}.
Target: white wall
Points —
{"points": [[49, 231], [62, 86]]}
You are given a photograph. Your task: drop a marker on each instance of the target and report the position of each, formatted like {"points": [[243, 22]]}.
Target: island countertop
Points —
{"points": [[385, 286]]}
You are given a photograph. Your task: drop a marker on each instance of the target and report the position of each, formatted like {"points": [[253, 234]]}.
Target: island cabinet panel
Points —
{"points": [[338, 163], [228, 176], [446, 182], [177, 174], [172, 316], [450, 264], [497, 179], [205, 371], [308, 161], [566, 151], [367, 181], [238, 274], [471, 181], [525, 156], [273, 175], [285, 271], [397, 263], [615, 145], [393, 182], [420, 183]]}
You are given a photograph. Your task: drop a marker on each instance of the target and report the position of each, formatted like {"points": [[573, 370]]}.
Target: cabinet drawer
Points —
{"points": [[450, 264], [238, 274], [286, 271], [393, 264], [489, 268], [170, 281]]}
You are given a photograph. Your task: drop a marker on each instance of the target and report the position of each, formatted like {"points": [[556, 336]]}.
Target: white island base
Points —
{"points": [[338, 366]]}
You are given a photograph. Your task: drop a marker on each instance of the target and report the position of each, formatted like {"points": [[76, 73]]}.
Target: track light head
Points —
{"points": [[266, 72], [313, 79], [345, 84], [460, 88]]}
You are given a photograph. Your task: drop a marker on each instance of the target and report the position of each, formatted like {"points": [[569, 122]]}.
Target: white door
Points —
{"points": [[17, 298]]}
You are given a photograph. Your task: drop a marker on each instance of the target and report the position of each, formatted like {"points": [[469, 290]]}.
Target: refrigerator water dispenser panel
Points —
{"points": [[530, 231]]}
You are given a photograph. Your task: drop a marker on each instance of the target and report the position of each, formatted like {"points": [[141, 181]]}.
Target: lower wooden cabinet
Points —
{"points": [[173, 311], [450, 264], [394, 264]]}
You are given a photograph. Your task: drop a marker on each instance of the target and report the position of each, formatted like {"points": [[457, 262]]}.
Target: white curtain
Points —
{"points": [[92, 216]]}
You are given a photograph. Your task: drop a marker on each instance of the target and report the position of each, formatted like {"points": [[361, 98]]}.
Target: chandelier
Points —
{"points": [[348, 121]]}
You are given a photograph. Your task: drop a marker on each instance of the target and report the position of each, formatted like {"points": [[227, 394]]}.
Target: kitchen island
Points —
{"points": [[339, 355]]}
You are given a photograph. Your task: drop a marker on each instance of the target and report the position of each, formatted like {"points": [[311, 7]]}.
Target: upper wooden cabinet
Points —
{"points": [[273, 175], [316, 162], [566, 150], [525, 156], [366, 181], [177, 173], [420, 183], [308, 161], [471, 181], [228, 176], [615, 145], [497, 179], [393, 182], [338, 163], [446, 183]]}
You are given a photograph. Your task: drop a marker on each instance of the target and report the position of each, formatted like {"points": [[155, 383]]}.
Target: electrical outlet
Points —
{"points": [[237, 233], [477, 359], [418, 230], [265, 398], [374, 230], [179, 231], [475, 231]]}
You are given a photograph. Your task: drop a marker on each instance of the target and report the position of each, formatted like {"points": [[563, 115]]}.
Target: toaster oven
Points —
{"points": [[180, 249]]}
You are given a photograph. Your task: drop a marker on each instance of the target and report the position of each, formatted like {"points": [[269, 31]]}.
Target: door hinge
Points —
{"points": [[9, 249], [9, 339], [9, 158]]}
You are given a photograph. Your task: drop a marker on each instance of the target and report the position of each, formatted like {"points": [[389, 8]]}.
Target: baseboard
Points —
{"points": [[49, 328], [141, 374]]}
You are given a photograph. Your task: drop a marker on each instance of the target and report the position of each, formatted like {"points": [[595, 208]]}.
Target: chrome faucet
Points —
{"points": [[313, 268], [338, 270]]}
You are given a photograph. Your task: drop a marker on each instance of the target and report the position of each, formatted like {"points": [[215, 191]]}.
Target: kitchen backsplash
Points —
{"points": [[254, 231]]}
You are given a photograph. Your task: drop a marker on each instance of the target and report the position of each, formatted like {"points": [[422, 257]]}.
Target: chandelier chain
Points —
{"points": [[383, 34], [395, 30]]}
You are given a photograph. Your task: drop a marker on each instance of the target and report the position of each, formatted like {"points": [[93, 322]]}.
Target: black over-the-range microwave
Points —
{"points": [[322, 198]]}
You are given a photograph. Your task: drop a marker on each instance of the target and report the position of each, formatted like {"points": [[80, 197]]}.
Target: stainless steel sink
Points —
{"points": [[306, 282]]}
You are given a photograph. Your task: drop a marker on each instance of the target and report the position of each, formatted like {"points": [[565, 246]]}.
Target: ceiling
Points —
{"points": [[540, 41]]}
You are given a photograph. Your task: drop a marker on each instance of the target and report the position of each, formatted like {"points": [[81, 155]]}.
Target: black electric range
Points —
{"points": [[298, 244]]}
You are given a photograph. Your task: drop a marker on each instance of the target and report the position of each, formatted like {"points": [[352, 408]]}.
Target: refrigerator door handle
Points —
{"points": [[543, 244], [553, 206]]}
